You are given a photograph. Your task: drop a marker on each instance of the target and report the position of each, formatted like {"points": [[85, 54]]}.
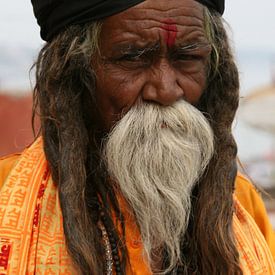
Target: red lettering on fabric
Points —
{"points": [[36, 216], [41, 191], [46, 173], [4, 256]]}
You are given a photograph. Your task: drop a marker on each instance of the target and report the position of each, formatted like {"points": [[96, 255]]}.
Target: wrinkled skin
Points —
{"points": [[156, 52]]}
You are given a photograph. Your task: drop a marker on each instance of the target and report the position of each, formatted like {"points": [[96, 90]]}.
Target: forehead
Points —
{"points": [[151, 20]]}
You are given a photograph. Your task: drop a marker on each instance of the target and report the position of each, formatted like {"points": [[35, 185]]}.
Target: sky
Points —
{"points": [[252, 29], [252, 23]]}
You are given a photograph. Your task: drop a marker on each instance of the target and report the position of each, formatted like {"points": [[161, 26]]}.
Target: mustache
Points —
{"points": [[148, 120]]}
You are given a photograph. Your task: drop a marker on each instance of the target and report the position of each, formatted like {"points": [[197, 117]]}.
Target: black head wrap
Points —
{"points": [[55, 15], [217, 5]]}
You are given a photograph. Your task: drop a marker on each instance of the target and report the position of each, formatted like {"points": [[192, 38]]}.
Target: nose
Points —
{"points": [[162, 86]]}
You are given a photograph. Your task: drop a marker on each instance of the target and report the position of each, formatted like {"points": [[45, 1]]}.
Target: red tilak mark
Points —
{"points": [[170, 34]]}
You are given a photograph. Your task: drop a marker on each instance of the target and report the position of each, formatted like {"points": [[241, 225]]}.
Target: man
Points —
{"points": [[135, 172]]}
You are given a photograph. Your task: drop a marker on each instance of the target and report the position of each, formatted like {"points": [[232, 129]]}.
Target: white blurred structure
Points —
{"points": [[258, 109]]}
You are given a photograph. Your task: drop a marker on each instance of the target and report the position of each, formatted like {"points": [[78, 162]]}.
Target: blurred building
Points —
{"points": [[258, 112], [15, 123]]}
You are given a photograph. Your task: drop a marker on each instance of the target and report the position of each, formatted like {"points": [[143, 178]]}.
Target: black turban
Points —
{"points": [[55, 15]]}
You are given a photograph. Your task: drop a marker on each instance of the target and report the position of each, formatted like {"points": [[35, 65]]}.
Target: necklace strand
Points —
{"points": [[111, 251], [110, 243], [107, 248]]}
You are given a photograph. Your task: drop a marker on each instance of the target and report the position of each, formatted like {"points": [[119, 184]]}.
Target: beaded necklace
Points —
{"points": [[110, 242]]}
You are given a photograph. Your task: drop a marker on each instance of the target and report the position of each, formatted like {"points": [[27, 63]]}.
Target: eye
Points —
{"points": [[134, 60], [188, 62], [186, 57], [193, 52], [132, 57]]}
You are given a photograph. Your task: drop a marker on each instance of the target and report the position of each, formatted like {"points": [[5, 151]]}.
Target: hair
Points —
{"points": [[64, 97], [210, 234]]}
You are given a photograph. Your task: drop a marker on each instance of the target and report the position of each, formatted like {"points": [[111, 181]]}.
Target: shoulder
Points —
{"points": [[249, 197], [6, 165], [246, 193], [254, 251], [252, 202]]}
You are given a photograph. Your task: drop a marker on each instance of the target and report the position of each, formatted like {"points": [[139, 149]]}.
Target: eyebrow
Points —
{"points": [[151, 50], [131, 48], [186, 46], [193, 46]]}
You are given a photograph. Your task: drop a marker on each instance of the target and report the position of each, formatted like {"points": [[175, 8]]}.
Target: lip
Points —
{"points": [[164, 125]]}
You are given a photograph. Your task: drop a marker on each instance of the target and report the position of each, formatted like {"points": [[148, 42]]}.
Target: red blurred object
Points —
{"points": [[15, 123]]}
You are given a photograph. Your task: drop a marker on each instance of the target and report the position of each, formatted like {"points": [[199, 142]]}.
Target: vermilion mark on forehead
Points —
{"points": [[170, 33]]}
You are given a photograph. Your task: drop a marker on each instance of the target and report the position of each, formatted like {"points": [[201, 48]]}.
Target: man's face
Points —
{"points": [[154, 52]]}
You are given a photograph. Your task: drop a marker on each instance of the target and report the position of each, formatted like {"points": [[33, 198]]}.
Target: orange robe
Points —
{"points": [[31, 231]]}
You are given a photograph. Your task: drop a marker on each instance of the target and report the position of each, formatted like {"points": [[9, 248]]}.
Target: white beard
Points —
{"points": [[155, 155]]}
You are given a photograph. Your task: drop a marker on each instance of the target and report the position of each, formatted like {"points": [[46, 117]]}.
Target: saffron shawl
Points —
{"points": [[31, 232]]}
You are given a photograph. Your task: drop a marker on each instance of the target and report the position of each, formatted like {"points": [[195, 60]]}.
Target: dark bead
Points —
{"points": [[111, 239], [116, 257], [113, 245], [118, 269], [103, 218], [109, 229], [115, 253], [118, 273], [101, 213], [111, 235], [117, 263]]}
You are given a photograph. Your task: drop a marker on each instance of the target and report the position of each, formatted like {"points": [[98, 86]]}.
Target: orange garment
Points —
{"points": [[31, 229], [255, 256], [254, 205], [31, 232]]}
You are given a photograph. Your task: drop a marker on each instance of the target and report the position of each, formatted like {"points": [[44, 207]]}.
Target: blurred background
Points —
{"points": [[251, 25]]}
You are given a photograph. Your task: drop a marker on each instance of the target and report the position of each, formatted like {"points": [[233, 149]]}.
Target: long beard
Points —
{"points": [[156, 155]]}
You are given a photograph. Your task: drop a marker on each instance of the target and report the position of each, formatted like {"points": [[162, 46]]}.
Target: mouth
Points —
{"points": [[164, 125]]}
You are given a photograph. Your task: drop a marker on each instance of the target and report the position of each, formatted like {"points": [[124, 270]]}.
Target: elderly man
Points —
{"points": [[135, 172]]}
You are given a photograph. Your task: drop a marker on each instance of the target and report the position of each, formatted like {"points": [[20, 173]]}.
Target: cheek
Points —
{"points": [[193, 90], [193, 85], [117, 91]]}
